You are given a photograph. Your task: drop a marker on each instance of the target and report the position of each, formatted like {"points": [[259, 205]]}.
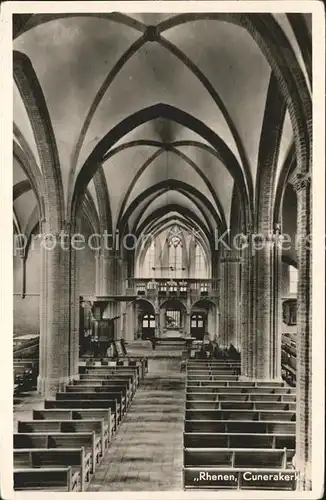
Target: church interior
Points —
{"points": [[162, 276]]}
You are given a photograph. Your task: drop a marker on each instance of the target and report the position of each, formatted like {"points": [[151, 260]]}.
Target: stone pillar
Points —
{"points": [[217, 325], [261, 326], [267, 337], [74, 316], [302, 187], [98, 272], [22, 256], [188, 323], [157, 324], [130, 322], [162, 319], [247, 284], [222, 339], [123, 322], [110, 285], [229, 301], [57, 363], [277, 316]]}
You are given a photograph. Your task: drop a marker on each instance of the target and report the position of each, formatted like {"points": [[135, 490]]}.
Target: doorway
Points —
{"points": [[148, 326], [197, 326]]}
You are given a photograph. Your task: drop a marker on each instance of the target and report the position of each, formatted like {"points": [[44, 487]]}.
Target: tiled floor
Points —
{"points": [[146, 453]]}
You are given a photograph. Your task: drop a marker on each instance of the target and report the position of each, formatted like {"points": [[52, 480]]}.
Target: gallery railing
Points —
{"points": [[172, 288]]}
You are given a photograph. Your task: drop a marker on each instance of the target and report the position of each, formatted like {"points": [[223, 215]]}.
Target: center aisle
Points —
{"points": [[146, 454]]}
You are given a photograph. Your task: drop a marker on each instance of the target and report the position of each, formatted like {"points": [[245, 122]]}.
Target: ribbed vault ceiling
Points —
{"points": [[95, 72]]}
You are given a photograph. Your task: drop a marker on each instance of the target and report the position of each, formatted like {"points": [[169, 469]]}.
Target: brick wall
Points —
{"points": [[289, 222], [85, 260]]}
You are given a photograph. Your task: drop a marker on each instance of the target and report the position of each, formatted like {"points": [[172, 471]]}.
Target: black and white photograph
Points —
{"points": [[162, 279]]}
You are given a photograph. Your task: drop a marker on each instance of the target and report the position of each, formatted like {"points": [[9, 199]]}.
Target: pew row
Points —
{"points": [[208, 406], [59, 440], [114, 396], [55, 458], [243, 390], [68, 426], [211, 381], [212, 401], [53, 479], [238, 457], [240, 426], [109, 379], [242, 414], [107, 388], [80, 414], [140, 364], [90, 404], [111, 370], [237, 390], [238, 440]]}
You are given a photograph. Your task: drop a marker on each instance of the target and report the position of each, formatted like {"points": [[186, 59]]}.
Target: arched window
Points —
{"points": [[149, 261], [293, 279], [175, 257], [200, 264]]}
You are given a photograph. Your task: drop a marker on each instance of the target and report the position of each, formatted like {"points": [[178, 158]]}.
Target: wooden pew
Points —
{"points": [[238, 414], [241, 405], [53, 479], [238, 457], [91, 404], [279, 391], [210, 371], [33, 440], [130, 388], [219, 389], [213, 362], [80, 414], [107, 387], [132, 362], [204, 381], [112, 370], [225, 403], [46, 458], [125, 399], [107, 377], [238, 440], [240, 426], [222, 398], [94, 396], [106, 380], [31, 426]]}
